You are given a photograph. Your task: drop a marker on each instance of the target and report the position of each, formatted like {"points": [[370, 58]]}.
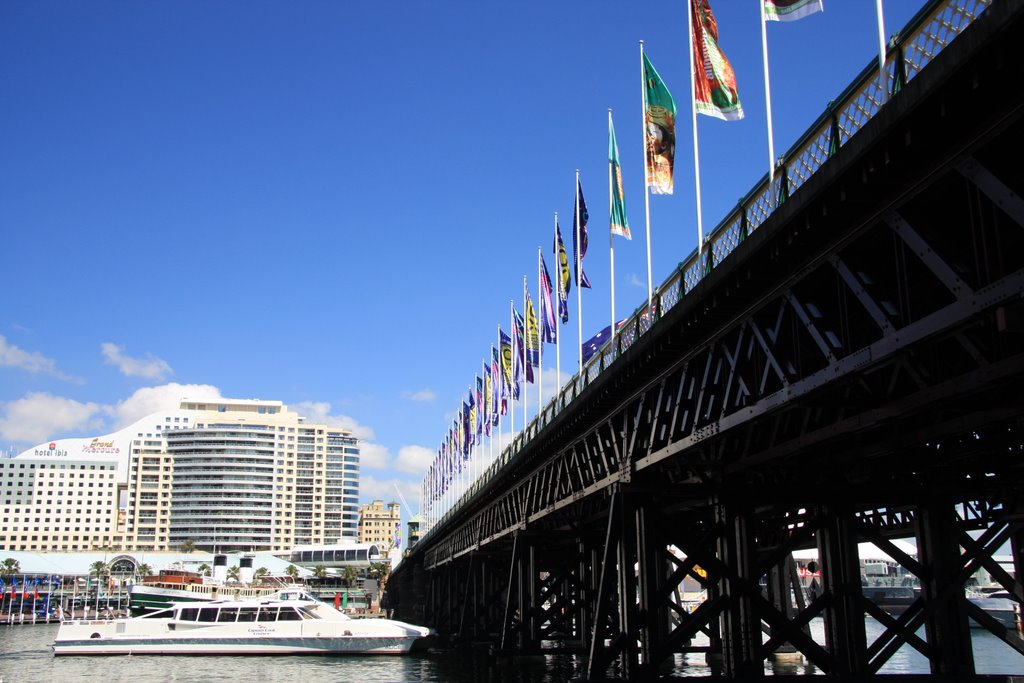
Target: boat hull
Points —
{"points": [[343, 645]]}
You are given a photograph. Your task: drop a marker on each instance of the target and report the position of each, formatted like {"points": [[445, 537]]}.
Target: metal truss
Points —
{"points": [[900, 325]]}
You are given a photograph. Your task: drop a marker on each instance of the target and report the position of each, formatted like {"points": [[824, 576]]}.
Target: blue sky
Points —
{"points": [[332, 203]]}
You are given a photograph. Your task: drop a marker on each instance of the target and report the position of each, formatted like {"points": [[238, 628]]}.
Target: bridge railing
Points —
{"points": [[937, 24]]}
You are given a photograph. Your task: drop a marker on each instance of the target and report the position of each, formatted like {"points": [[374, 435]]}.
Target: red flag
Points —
{"points": [[713, 78]]}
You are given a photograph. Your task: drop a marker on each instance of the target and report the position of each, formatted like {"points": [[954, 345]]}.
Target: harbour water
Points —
{"points": [[25, 655]]}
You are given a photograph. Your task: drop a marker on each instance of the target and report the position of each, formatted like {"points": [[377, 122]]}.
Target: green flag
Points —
{"points": [[790, 10], [619, 221], [660, 131]]}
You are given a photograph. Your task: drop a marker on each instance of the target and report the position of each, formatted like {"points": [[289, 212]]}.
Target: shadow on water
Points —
{"points": [[25, 655]]}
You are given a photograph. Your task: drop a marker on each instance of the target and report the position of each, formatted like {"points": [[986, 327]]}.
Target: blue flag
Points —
{"points": [[580, 250]]}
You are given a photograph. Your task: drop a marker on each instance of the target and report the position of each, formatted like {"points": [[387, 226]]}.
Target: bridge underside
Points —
{"points": [[853, 372]]}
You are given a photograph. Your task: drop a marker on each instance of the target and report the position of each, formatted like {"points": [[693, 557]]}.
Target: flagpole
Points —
{"points": [[558, 295], [526, 347], [540, 336], [512, 367], [501, 374], [696, 151], [611, 242], [767, 96], [883, 74], [490, 406], [647, 162], [579, 270]]}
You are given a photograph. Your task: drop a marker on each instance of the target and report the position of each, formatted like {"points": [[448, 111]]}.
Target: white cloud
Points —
{"points": [[319, 411], [30, 361], [373, 455], [149, 367], [422, 396], [414, 459], [39, 416], [148, 400], [635, 281]]}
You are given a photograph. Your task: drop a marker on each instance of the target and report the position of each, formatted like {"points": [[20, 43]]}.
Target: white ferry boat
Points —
{"points": [[289, 623]]}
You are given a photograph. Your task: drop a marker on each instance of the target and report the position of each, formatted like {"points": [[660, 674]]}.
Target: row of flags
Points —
{"points": [[24, 590], [715, 92], [510, 365]]}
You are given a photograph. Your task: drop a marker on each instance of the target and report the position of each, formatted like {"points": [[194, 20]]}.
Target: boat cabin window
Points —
{"points": [[267, 614], [308, 613], [227, 614], [189, 614], [289, 614], [247, 613], [160, 614], [208, 614]]}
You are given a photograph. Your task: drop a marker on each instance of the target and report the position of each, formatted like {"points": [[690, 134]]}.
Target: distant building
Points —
{"points": [[225, 475], [358, 555], [381, 525], [415, 530]]}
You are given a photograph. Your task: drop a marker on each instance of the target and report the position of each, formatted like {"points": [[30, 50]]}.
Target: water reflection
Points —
{"points": [[25, 655]]}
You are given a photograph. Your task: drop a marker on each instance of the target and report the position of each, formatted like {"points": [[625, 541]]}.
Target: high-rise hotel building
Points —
{"points": [[227, 475]]}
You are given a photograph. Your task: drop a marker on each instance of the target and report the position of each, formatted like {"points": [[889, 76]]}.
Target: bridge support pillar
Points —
{"points": [[741, 626], [840, 574], [946, 623]]}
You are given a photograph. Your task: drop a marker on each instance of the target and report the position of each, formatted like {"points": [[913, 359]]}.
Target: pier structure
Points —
{"points": [[842, 363]]}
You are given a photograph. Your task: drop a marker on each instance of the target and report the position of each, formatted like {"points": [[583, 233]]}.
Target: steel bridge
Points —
{"points": [[843, 363]]}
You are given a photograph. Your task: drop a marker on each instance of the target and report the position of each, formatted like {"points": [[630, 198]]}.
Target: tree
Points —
{"points": [[205, 569], [380, 571], [292, 572], [143, 570], [9, 567], [349, 575], [260, 574], [233, 574], [319, 571], [187, 546]]}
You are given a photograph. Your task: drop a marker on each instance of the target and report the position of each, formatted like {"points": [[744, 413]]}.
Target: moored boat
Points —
{"points": [[177, 585], [289, 622]]}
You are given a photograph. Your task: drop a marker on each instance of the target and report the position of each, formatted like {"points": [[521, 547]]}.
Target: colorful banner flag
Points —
{"points": [[532, 332], [790, 10], [500, 390], [564, 278], [508, 368], [488, 399], [474, 418], [549, 323], [580, 231], [522, 366], [713, 78], [481, 409], [618, 220], [660, 131]]}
